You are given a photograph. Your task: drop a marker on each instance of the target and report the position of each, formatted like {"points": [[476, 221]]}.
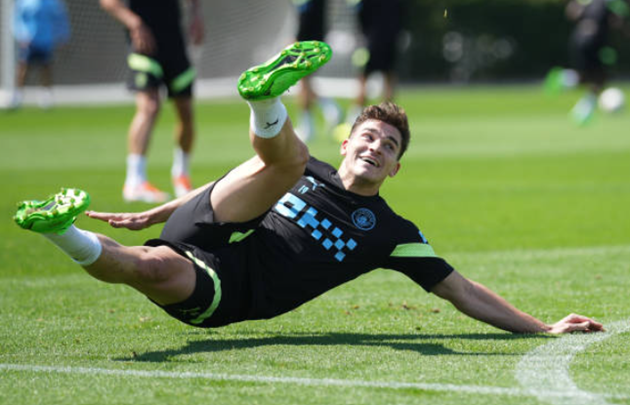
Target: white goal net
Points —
{"points": [[238, 34]]}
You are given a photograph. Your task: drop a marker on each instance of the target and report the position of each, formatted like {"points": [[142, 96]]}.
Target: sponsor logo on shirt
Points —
{"points": [[319, 227]]}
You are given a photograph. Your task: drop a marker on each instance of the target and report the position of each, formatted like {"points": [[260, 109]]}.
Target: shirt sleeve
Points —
{"points": [[413, 256], [20, 31]]}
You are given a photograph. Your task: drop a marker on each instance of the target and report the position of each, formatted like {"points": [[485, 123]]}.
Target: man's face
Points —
{"points": [[371, 152]]}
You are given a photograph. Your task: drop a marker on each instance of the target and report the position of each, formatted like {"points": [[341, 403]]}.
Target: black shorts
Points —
{"points": [[35, 56], [585, 54], [220, 264], [170, 67], [382, 54], [381, 24], [311, 21], [200, 309]]}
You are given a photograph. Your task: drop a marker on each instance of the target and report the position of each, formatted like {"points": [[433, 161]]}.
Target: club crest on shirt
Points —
{"points": [[364, 219]]}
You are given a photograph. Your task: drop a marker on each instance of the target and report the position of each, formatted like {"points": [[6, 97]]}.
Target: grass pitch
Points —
{"points": [[502, 184]]}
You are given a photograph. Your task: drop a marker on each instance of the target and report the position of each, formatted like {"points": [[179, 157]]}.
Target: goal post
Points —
{"points": [[7, 52]]}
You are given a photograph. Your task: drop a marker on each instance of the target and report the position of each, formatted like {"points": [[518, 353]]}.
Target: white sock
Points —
{"points": [[46, 99], [16, 98], [570, 78], [181, 163], [82, 246], [267, 117], [136, 170]]}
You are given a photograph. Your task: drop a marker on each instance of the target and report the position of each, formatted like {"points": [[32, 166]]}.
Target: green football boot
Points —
{"points": [[274, 77], [53, 215]]}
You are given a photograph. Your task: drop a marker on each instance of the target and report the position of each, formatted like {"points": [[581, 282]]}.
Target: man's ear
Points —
{"points": [[395, 170], [343, 150]]}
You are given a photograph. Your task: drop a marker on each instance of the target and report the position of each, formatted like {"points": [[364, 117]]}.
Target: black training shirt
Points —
{"points": [[163, 19], [319, 236]]}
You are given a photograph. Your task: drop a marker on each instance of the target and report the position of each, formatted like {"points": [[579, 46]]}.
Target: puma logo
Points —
{"points": [[271, 124]]}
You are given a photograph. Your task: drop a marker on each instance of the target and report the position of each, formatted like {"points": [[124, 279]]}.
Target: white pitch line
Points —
{"points": [[469, 389], [546, 368]]}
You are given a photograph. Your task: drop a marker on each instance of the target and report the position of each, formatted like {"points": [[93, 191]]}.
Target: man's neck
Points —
{"points": [[357, 185]]}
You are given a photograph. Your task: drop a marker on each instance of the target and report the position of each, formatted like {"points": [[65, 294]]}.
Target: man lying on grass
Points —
{"points": [[281, 228]]}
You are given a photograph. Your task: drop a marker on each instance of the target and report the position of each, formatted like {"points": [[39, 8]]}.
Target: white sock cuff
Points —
{"points": [[267, 117], [91, 254], [136, 169], [181, 163], [83, 247], [135, 159]]}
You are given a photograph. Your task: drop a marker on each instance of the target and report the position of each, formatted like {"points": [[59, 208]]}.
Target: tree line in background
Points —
{"points": [[483, 40]]}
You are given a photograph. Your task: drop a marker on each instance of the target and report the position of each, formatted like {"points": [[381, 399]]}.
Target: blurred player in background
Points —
{"points": [[157, 58], [589, 51], [381, 23], [312, 27], [40, 26]]}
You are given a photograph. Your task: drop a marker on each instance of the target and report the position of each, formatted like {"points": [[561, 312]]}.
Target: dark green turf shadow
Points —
{"points": [[411, 342]]}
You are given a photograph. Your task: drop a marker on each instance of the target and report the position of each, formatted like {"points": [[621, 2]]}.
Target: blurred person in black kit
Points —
{"points": [[312, 27], [157, 57], [380, 22], [590, 52]]}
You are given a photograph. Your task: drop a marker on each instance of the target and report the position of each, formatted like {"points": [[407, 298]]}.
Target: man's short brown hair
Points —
{"points": [[391, 114]]}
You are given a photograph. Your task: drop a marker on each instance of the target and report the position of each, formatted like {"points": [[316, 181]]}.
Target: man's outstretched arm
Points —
{"points": [[136, 221], [479, 302]]}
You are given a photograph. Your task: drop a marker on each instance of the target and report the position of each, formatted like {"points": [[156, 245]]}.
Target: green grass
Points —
{"points": [[503, 185]]}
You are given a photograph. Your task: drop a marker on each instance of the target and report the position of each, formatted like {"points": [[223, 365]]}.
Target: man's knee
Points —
{"points": [[158, 265], [148, 105], [163, 275], [150, 109], [293, 165]]}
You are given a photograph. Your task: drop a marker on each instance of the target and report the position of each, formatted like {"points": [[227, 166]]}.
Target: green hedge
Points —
{"points": [[502, 39]]}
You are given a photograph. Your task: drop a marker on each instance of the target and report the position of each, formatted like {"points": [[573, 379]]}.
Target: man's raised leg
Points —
{"points": [[158, 272], [253, 187]]}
